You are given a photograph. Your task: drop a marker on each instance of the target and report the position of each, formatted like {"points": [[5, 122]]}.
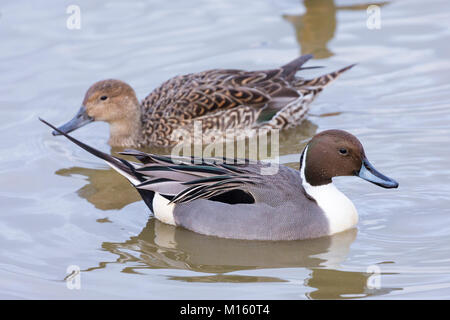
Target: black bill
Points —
{"points": [[80, 119], [369, 173]]}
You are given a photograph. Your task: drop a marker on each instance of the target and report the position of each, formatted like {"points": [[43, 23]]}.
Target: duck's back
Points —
{"points": [[220, 98], [281, 211], [196, 94], [224, 99]]}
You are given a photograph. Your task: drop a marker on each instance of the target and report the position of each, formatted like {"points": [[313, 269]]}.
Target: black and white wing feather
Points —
{"points": [[180, 179]]}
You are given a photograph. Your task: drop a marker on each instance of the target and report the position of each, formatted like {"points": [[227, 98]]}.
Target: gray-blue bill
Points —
{"points": [[79, 120], [369, 173]]}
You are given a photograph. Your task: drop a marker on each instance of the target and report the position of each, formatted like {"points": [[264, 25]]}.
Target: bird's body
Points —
{"points": [[283, 212], [223, 103], [229, 199]]}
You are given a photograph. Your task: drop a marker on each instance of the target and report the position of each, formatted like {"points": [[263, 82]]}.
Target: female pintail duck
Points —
{"points": [[221, 100], [238, 201]]}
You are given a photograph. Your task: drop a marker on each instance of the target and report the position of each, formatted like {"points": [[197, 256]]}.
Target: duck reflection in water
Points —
{"points": [[162, 246], [316, 27]]}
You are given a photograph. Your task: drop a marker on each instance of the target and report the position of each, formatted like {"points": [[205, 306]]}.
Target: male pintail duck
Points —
{"points": [[237, 201], [255, 101]]}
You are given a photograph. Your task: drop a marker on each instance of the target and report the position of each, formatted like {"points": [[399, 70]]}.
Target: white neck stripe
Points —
{"points": [[339, 210], [303, 166]]}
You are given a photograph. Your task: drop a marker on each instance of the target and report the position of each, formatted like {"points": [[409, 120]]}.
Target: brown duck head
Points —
{"points": [[112, 101], [334, 153]]}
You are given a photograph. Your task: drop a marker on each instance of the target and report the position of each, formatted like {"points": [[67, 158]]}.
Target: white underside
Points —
{"points": [[339, 210]]}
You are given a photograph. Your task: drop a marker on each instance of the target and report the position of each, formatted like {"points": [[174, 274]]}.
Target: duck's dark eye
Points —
{"points": [[103, 97], [343, 151]]}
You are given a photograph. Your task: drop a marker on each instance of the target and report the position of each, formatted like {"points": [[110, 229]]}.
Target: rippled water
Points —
{"points": [[61, 207]]}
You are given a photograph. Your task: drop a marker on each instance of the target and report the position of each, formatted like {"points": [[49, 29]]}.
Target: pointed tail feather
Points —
{"points": [[122, 166], [322, 81], [178, 182]]}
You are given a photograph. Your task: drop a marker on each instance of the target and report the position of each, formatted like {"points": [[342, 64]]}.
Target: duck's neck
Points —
{"points": [[126, 132], [339, 210]]}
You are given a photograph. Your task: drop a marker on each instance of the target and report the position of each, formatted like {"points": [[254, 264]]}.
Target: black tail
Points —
{"points": [[292, 67], [121, 164]]}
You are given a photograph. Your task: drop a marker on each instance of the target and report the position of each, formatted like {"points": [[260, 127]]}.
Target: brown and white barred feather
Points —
{"points": [[227, 100]]}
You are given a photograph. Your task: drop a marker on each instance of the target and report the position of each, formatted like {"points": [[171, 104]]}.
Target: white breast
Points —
{"points": [[339, 210]]}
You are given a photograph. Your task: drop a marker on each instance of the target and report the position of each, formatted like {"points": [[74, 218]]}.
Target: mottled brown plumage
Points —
{"points": [[222, 101]]}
